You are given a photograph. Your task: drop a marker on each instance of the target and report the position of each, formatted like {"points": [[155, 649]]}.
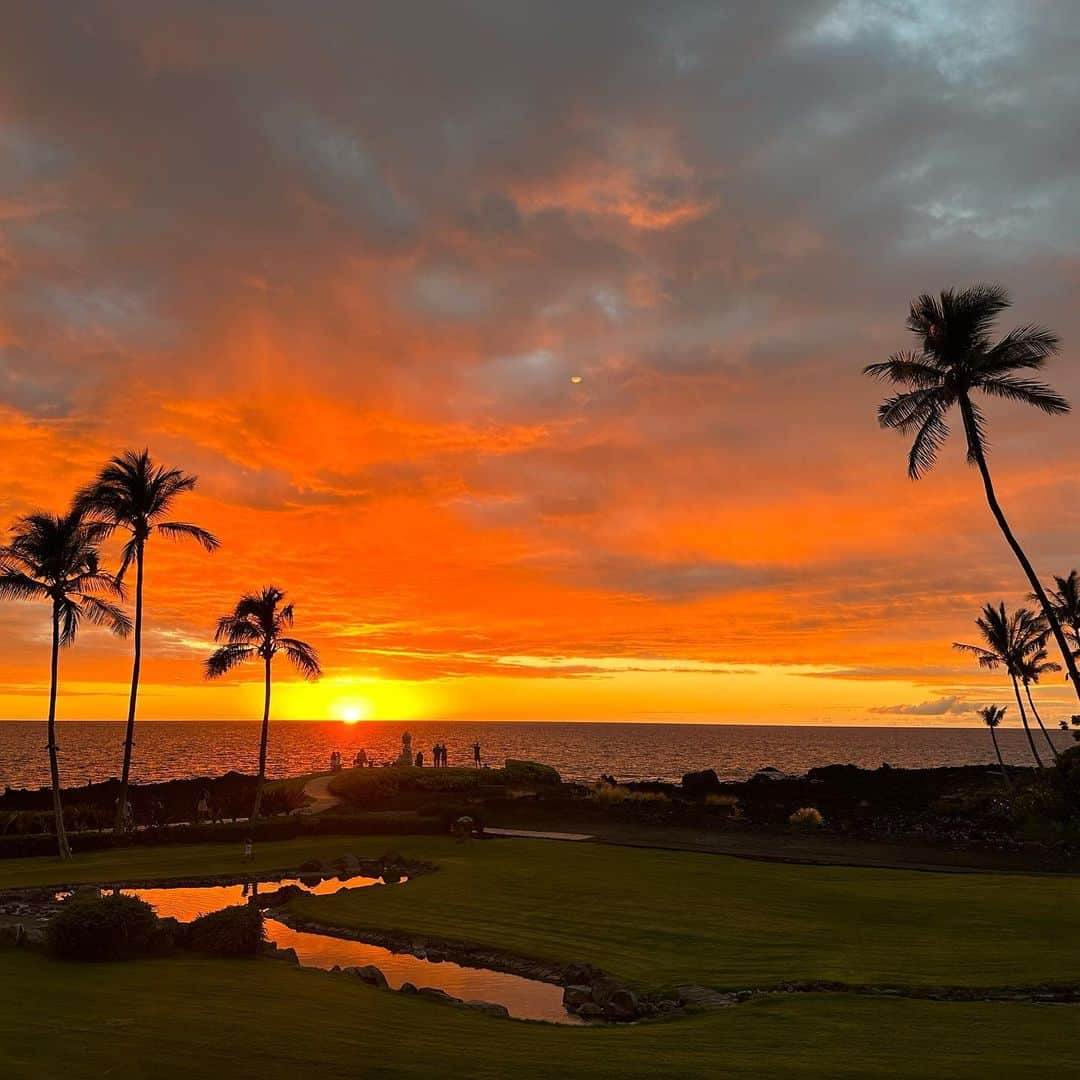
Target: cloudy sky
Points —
{"points": [[342, 261]]}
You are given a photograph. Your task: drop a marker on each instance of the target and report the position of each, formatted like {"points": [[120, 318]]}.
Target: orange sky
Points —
{"points": [[343, 264]]}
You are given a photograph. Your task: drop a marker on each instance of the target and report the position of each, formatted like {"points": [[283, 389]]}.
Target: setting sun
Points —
{"points": [[354, 711]]}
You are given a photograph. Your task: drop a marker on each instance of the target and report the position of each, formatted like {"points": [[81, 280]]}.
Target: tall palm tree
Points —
{"points": [[1007, 641], [992, 716], [254, 630], [55, 558], [133, 494], [956, 359], [1031, 666]]}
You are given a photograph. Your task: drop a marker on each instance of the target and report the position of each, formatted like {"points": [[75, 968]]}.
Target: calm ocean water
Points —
{"points": [[174, 749]]}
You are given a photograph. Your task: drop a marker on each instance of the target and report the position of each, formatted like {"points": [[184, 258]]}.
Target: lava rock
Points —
{"points": [[489, 1007]]}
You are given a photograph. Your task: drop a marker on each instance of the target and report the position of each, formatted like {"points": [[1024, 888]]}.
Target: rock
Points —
{"points": [[489, 1007], [370, 974], [278, 896], [699, 784], [349, 861], [579, 974], [575, 996], [288, 955], [435, 956], [622, 1005], [312, 866], [407, 988], [591, 1011], [435, 994]]}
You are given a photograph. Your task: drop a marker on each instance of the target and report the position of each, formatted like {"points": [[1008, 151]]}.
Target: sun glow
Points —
{"points": [[352, 712]]}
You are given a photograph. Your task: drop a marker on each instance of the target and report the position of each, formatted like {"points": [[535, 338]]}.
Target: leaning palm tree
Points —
{"points": [[956, 359], [55, 558], [254, 630], [1031, 666], [133, 494], [992, 716], [1007, 640]]}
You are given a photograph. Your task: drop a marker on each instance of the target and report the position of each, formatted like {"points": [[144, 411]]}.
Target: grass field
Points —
{"points": [[653, 917], [188, 1018]]}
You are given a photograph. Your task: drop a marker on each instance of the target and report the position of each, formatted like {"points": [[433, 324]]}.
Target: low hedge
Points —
{"points": [[284, 828]]}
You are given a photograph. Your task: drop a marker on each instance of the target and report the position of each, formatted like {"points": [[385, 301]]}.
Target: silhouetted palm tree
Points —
{"points": [[955, 359], [1065, 600], [1030, 668], [55, 558], [1008, 639], [254, 629], [992, 716], [133, 494]]}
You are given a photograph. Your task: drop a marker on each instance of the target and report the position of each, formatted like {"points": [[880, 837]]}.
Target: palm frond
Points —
{"points": [[15, 585], [103, 613], [927, 443], [1027, 391], [304, 658], [181, 530], [226, 658], [1024, 347]]}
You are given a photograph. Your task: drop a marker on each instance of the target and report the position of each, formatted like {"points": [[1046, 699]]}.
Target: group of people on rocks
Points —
{"points": [[440, 758]]}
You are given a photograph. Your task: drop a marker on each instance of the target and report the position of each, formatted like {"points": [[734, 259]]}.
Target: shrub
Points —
{"points": [[113, 927], [616, 795], [530, 772], [232, 931], [807, 817], [721, 800]]}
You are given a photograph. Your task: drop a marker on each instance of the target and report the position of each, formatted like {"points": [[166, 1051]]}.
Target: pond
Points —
{"points": [[525, 999]]}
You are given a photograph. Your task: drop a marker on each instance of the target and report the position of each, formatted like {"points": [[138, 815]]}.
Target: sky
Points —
{"points": [[521, 343]]}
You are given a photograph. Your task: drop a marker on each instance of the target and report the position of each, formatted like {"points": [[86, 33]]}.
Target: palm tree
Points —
{"points": [[1008, 639], [991, 717], [133, 494], [955, 359], [1030, 668], [55, 558], [254, 629], [1065, 600]]}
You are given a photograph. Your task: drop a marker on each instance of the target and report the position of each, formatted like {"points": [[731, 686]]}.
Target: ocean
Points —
{"points": [[166, 750]]}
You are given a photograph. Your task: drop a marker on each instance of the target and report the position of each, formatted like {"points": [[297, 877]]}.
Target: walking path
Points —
{"points": [[318, 790], [530, 834]]}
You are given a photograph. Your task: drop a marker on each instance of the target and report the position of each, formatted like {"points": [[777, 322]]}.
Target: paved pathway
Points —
{"points": [[528, 833], [318, 790]]}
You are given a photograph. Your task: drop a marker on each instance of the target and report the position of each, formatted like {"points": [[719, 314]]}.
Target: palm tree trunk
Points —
{"points": [[976, 452], [54, 767], [262, 747], [1001, 763], [1038, 720], [1024, 721], [136, 664]]}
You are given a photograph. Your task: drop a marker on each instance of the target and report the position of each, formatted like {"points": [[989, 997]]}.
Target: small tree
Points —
{"points": [[992, 716], [254, 630]]}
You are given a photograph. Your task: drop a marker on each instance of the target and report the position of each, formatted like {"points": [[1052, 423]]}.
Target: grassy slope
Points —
{"points": [[261, 1020], [668, 917]]}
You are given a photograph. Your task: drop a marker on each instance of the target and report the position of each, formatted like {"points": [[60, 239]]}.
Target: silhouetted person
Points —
{"points": [[361, 758], [419, 759], [444, 756], [476, 754]]}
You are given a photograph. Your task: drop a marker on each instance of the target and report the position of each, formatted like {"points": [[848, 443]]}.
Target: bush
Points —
{"points": [[616, 795], [233, 931], [807, 817], [728, 801], [530, 772], [113, 927]]}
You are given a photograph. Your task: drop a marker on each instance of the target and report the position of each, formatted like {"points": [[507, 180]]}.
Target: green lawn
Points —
{"points": [[661, 918], [187, 1018], [654, 917]]}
